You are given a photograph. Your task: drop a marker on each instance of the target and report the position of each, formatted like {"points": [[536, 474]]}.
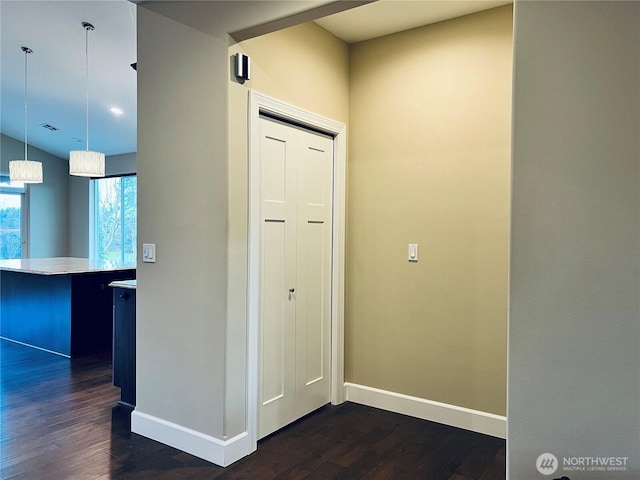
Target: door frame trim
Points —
{"points": [[260, 103]]}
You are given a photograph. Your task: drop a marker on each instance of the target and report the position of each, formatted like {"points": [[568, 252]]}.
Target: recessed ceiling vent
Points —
{"points": [[48, 126]]}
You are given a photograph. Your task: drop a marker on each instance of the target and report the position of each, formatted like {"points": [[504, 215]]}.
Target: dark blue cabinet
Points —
{"points": [[124, 343]]}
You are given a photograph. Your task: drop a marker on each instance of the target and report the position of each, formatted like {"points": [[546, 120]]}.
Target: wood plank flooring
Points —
{"points": [[60, 421]]}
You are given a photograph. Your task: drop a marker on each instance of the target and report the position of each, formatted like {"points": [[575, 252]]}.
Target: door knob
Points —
{"points": [[292, 290]]}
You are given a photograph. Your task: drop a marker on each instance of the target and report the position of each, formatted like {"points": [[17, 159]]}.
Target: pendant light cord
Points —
{"points": [[26, 51], [86, 56], [87, 26]]}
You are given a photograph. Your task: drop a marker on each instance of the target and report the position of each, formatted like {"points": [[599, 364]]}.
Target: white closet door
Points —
{"points": [[313, 272], [295, 303], [278, 248]]}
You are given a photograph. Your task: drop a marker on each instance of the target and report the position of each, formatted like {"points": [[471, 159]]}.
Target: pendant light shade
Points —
{"points": [[25, 171], [85, 163]]}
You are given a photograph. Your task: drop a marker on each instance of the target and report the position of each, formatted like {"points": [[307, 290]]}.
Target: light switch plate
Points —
{"points": [[149, 252], [413, 252]]}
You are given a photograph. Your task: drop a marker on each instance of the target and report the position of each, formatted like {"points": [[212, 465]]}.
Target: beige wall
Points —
{"points": [[182, 205], [429, 163], [574, 326], [305, 66]]}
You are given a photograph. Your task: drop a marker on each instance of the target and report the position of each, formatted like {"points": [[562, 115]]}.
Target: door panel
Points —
{"points": [[313, 307], [295, 326], [274, 169], [278, 246], [314, 312], [275, 331]]}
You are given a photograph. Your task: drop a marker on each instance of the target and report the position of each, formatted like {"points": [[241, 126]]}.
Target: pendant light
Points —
{"points": [[25, 171], [85, 163]]}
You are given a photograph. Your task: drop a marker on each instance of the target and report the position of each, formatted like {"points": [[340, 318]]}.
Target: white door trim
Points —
{"points": [[259, 103]]}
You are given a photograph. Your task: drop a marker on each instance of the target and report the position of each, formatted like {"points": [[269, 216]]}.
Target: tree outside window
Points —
{"points": [[10, 226], [116, 218], [12, 218]]}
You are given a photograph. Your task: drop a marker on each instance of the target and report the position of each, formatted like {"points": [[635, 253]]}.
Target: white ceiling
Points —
{"points": [[52, 29]]}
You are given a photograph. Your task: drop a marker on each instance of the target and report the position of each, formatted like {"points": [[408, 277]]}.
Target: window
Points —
{"points": [[11, 219], [114, 219]]}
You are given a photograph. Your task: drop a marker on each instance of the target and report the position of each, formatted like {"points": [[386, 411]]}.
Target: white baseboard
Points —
{"points": [[212, 449], [33, 346], [474, 420]]}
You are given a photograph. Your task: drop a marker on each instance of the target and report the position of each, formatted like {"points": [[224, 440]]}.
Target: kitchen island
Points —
{"points": [[62, 305]]}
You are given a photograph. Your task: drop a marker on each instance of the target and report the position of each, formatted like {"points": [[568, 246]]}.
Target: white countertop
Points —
{"points": [[61, 265], [130, 284]]}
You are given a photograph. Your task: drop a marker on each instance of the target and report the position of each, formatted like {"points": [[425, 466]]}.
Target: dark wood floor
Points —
{"points": [[60, 422]]}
